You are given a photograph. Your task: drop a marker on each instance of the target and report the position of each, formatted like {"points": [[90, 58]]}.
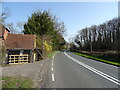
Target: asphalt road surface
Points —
{"points": [[68, 70]]}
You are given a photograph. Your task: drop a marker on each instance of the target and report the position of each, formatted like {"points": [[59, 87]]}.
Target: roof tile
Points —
{"points": [[20, 41]]}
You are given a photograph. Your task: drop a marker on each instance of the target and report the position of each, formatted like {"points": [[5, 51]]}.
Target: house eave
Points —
{"points": [[18, 49]]}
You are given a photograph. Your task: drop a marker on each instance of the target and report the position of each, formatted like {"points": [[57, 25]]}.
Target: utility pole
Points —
{"points": [[42, 45]]}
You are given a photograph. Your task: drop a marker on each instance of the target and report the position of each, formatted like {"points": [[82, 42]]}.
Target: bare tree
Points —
{"points": [[4, 14], [20, 26], [10, 26], [102, 37]]}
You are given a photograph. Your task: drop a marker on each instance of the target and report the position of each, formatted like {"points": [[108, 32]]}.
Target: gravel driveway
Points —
{"points": [[36, 71]]}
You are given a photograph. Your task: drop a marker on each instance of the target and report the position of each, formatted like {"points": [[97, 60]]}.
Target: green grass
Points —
{"points": [[16, 82], [98, 59], [51, 54]]}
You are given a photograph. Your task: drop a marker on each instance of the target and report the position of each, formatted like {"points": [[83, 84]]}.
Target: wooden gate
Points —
{"points": [[18, 59]]}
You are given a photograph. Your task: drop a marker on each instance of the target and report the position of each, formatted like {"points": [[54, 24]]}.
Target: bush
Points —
{"points": [[109, 56]]}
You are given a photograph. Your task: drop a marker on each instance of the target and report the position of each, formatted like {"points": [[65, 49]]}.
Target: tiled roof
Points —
{"points": [[20, 41]]}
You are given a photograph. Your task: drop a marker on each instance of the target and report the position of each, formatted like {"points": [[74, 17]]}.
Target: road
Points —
{"points": [[68, 70]]}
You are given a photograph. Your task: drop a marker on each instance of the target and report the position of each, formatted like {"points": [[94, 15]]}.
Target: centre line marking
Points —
{"points": [[52, 68], [52, 64], [53, 56], [108, 77], [53, 77]]}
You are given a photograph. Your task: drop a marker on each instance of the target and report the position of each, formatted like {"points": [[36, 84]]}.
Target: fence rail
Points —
{"points": [[18, 59]]}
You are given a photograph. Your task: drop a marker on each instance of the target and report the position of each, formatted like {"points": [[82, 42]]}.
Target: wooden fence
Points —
{"points": [[18, 59]]}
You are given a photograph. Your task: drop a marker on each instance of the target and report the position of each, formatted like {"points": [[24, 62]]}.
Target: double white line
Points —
{"points": [[108, 77]]}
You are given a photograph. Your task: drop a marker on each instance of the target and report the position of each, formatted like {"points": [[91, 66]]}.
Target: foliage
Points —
{"points": [[73, 47], [38, 41], [47, 46], [39, 23], [44, 24], [58, 42], [51, 54], [103, 37], [99, 38]]}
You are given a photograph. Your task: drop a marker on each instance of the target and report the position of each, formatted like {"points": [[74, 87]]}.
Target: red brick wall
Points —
{"points": [[5, 34]]}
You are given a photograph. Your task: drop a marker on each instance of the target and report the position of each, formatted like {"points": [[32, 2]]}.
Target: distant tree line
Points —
{"points": [[103, 37]]}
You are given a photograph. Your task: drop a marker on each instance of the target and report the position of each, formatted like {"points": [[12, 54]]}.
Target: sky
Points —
{"points": [[75, 15]]}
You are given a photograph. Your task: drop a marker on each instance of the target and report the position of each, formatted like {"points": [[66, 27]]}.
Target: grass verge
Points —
{"points": [[51, 54], [6, 65], [16, 82], [98, 59]]}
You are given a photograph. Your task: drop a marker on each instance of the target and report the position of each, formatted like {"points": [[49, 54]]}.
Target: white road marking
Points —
{"points": [[53, 56], [116, 81], [108, 64], [52, 61], [53, 77], [52, 68]]}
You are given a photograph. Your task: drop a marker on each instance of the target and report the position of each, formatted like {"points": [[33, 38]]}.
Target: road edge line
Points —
{"points": [[108, 77]]}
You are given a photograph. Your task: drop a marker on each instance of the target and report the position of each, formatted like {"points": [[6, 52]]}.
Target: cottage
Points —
{"points": [[20, 48]]}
